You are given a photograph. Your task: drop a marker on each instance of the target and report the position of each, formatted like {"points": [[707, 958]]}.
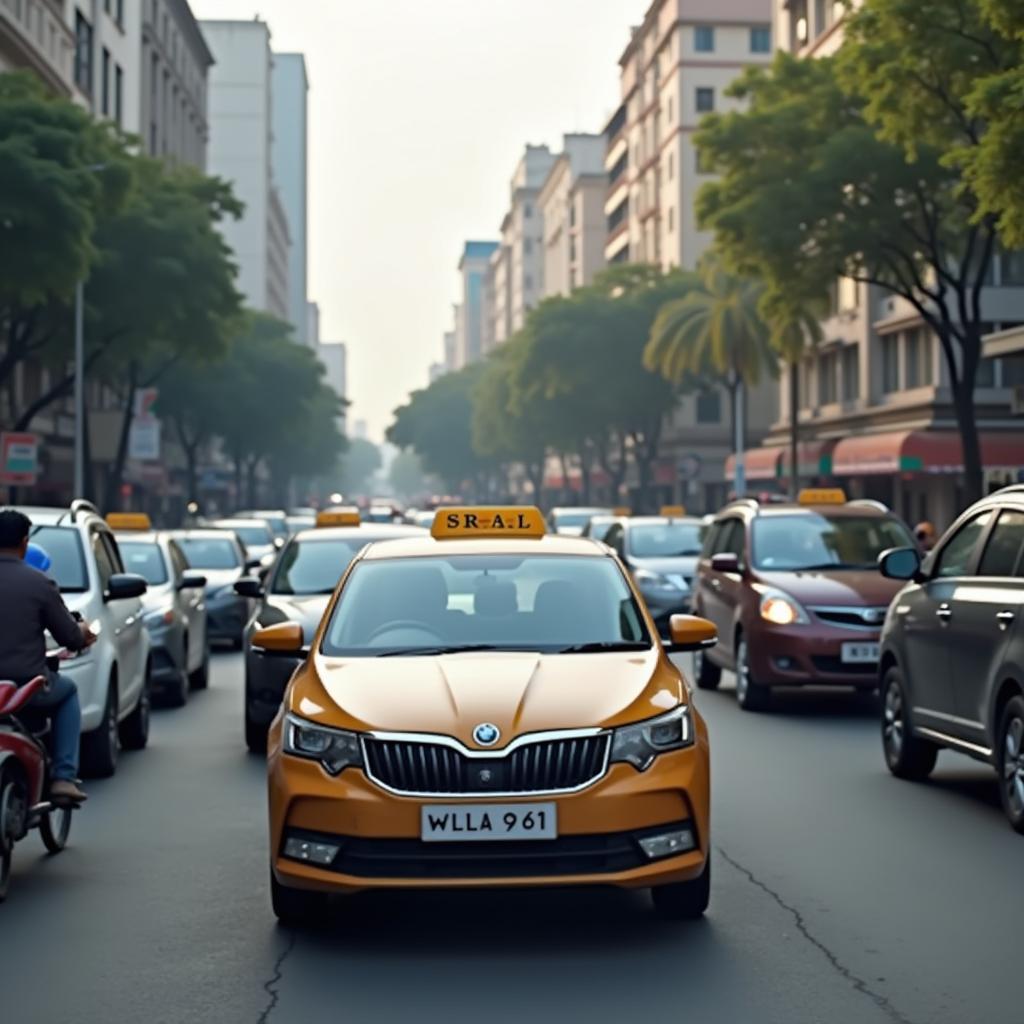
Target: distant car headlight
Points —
{"points": [[158, 618], [640, 744], [335, 749], [780, 609], [647, 579]]}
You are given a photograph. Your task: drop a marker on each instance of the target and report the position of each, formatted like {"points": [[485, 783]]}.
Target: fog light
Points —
{"points": [[316, 853], [668, 845]]}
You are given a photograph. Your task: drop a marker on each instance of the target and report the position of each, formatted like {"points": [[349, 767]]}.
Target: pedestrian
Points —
{"points": [[924, 534]]}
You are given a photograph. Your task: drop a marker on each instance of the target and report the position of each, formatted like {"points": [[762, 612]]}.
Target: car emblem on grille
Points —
{"points": [[486, 734], [873, 614], [485, 776]]}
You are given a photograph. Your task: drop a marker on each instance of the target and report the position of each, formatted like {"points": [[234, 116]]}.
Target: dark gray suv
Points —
{"points": [[952, 651]]}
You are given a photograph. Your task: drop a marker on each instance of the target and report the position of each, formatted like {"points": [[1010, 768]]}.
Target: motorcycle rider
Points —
{"points": [[30, 604]]}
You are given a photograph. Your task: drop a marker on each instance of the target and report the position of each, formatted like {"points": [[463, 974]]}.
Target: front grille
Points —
{"points": [[853, 618], [547, 766], [411, 858]]}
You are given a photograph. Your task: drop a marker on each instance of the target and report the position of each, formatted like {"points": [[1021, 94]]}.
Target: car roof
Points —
{"points": [[855, 507], [582, 509], [426, 546], [147, 536], [228, 524], [202, 533], [661, 520], [380, 531]]}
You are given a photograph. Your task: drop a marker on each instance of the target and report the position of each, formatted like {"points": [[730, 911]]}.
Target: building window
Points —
{"points": [[851, 373], [119, 17], [1011, 267], [671, 166], [704, 39], [705, 100], [828, 371], [527, 281], [119, 95], [890, 363], [83, 54], [669, 111], [671, 218], [527, 210], [709, 407], [761, 39], [918, 358], [105, 83], [527, 246]]}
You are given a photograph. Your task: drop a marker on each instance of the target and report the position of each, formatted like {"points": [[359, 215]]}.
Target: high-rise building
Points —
{"points": [[571, 203], [674, 71], [241, 118], [471, 325], [499, 313], [334, 356], [289, 160]]}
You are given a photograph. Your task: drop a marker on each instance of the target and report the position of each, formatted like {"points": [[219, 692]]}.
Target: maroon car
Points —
{"points": [[796, 594]]}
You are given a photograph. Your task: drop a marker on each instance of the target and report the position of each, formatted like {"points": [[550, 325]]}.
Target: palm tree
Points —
{"points": [[716, 329]]}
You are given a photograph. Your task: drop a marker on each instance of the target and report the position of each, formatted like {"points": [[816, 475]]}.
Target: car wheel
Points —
{"points": [[100, 747], [684, 901], [750, 695], [177, 695], [907, 756], [200, 679], [54, 827], [1010, 754], [12, 824], [296, 906], [707, 674], [134, 731]]}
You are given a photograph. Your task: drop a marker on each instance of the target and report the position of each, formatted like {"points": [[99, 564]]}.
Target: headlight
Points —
{"points": [[335, 749], [640, 744], [160, 617], [646, 579], [780, 609]]}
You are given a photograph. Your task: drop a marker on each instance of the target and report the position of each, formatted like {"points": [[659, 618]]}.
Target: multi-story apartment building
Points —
{"points": [[241, 118], [571, 203], [35, 37], [674, 70], [876, 412], [290, 87], [499, 291], [174, 70], [473, 312]]}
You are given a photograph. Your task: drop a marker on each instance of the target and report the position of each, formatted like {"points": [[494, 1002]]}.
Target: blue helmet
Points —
{"points": [[37, 557]]}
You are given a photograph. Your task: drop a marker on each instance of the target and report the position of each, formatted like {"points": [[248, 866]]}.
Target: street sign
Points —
{"points": [[144, 437], [19, 459]]}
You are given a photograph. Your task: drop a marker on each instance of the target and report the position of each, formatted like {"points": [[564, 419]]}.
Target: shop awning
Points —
{"points": [[814, 458], [758, 464], [922, 451]]}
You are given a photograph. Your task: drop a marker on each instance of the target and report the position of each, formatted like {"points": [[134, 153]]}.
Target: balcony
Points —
{"points": [[33, 36]]}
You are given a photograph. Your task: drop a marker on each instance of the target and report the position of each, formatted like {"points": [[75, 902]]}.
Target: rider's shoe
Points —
{"points": [[66, 791]]}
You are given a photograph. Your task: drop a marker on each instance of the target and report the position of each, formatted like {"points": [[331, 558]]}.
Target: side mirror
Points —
{"points": [[252, 564], [284, 638], [123, 585], [249, 586], [900, 564], [691, 633], [192, 581], [725, 561]]}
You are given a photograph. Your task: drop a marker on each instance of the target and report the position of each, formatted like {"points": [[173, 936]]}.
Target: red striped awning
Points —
{"points": [[922, 451]]}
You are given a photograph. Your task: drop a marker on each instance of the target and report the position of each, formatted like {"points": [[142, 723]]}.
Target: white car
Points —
{"points": [[112, 675]]}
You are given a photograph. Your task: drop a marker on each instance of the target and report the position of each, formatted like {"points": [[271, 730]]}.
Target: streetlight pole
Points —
{"points": [[80, 390]]}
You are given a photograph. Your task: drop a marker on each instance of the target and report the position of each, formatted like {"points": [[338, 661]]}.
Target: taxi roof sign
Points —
{"points": [[488, 522], [622, 511], [673, 511], [822, 496], [129, 521], [341, 515]]}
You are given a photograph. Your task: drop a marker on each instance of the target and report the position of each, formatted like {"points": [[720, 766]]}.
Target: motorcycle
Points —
{"points": [[25, 778]]}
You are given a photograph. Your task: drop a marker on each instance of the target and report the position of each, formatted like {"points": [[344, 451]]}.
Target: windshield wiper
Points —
{"points": [[602, 646], [399, 652]]}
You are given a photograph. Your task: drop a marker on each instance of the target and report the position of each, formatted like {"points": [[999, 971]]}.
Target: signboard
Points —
{"points": [[144, 437], [19, 459]]}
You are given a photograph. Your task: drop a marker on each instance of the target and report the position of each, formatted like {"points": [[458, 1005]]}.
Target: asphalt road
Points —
{"points": [[839, 894]]}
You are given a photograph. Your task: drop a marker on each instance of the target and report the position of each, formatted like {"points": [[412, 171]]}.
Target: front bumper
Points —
{"points": [[809, 655], [598, 828]]}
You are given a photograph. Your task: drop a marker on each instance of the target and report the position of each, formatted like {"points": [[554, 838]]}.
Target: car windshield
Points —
{"points": [[572, 519], [210, 552], [254, 536], [816, 541], [67, 564], [296, 524], [145, 559], [493, 602], [314, 566], [664, 540]]}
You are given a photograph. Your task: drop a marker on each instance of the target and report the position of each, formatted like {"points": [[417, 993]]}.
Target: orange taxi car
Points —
{"points": [[487, 706]]}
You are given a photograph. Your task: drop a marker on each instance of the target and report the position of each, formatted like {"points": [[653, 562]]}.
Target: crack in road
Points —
{"points": [[858, 983], [270, 986]]}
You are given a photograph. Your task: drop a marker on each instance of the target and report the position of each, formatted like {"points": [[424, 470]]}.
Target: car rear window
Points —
{"points": [[145, 559], [314, 566], [254, 536], [210, 553], [64, 547], [814, 541], [664, 540]]}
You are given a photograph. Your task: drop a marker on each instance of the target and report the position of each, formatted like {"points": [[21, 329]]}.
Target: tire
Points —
{"points": [[300, 907], [54, 827], [750, 695], [200, 679], [706, 673], [6, 857], [11, 825], [1010, 762], [684, 901], [100, 747], [907, 756], [255, 736], [134, 730]]}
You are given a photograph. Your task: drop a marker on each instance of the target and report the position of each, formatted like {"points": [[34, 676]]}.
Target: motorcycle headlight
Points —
{"points": [[640, 744], [335, 749], [780, 609], [646, 579]]}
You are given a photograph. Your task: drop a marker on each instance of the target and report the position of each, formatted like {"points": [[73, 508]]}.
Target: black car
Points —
{"points": [[952, 657]]}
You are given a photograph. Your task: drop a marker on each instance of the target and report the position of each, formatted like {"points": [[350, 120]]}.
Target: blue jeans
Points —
{"points": [[60, 703]]}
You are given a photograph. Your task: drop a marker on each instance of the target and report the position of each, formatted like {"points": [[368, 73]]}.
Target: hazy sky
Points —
{"points": [[419, 110]]}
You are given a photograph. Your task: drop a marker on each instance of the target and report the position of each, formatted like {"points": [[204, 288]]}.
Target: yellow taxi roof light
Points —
{"points": [[339, 516], [488, 521], [129, 521], [673, 511], [622, 511], [822, 496]]}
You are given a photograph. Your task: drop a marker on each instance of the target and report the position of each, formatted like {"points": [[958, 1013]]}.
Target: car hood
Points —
{"points": [[840, 588], [677, 565], [307, 611], [217, 578], [77, 602], [519, 692]]}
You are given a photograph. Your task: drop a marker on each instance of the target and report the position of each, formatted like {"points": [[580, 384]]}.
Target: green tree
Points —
{"points": [[359, 466], [406, 475], [809, 192]]}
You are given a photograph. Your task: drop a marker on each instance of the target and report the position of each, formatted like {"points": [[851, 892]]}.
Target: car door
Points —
{"points": [[191, 608], [985, 608], [125, 620], [929, 625], [721, 592]]}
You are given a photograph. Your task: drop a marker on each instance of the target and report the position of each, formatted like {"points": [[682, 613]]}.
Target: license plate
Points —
{"points": [[461, 823], [860, 654]]}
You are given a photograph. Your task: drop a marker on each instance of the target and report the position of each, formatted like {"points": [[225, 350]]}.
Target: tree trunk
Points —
{"points": [[970, 440], [585, 488], [616, 470], [251, 483], [794, 429], [739, 433], [116, 474]]}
